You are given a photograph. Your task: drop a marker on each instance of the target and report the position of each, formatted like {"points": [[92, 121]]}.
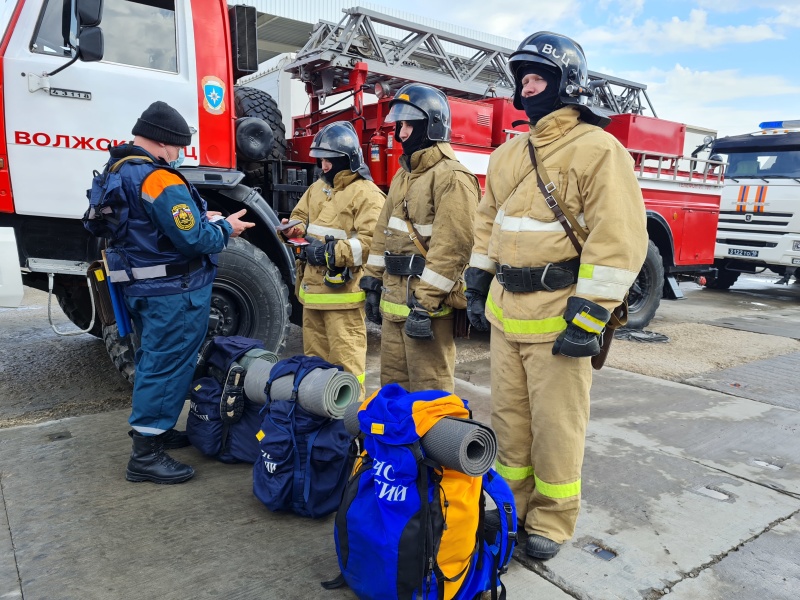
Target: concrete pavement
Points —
{"points": [[689, 492]]}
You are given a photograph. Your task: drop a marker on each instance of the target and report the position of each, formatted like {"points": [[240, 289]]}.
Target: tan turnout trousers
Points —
{"points": [[338, 336], [419, 364], [540, 410]]}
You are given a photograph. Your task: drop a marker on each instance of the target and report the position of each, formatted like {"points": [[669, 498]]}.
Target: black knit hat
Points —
{"points": [[162, 123]]}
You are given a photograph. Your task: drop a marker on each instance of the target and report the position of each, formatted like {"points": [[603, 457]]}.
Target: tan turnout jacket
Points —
{"points": [[514, 226], [440, 196], [348, 211]]}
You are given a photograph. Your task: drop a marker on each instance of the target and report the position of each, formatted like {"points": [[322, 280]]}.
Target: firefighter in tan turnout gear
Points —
{"points": [[421, 245], [338, 215], [547, 304]]}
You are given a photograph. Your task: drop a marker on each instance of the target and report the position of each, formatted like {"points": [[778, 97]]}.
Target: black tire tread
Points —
{"points": [[252, 102], [646, 310]]}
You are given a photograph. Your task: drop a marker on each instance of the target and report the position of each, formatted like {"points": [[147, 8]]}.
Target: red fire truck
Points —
{"points": [[77, 74]]}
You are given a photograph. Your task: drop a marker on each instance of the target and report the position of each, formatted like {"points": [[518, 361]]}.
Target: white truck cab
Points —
{"points": [[759, 222]]}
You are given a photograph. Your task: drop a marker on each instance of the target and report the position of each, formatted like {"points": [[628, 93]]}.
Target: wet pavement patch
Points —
{"points": [[772, 381], [781, 323]]}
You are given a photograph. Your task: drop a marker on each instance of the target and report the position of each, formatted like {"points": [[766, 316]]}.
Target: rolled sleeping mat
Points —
{"points": [[350, 419], [462, 445], [256, 377], [322, 392], [256, 354]]}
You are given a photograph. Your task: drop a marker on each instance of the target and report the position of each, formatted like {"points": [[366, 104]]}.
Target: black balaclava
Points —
{"points": [[339, 163], [547, 101], [418, 138]]}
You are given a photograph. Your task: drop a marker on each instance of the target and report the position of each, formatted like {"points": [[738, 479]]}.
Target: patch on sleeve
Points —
{"points": [[183, 216]]}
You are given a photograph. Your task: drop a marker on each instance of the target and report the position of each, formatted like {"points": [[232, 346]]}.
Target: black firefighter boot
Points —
{"points": [[149, 462]]}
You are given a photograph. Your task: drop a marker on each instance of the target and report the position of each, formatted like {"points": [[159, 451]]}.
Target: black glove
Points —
{"points": [[315, 253], [418, 323], [478, 282], [330, 251], [585, 323], [372, 308]]}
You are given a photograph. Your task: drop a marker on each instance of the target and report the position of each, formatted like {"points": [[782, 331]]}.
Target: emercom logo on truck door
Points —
{"points": [[759, 224]]}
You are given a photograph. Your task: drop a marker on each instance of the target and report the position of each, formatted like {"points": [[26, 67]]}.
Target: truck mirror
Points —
{"points": [[89, 12], [90, 44]]}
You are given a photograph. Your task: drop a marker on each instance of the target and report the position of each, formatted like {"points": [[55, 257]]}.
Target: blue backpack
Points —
{"points": [[410, 529], [229, 439], [107, 215], [304, 458]]}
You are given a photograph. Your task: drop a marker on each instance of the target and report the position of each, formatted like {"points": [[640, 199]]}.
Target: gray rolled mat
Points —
{"points": [[323, 392], [255, 379], [256, 354], [458, 444], [350, 419], [461, 445]]}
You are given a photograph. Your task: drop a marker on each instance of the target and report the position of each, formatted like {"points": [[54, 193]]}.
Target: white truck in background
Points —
{"points": [[759, 220]]}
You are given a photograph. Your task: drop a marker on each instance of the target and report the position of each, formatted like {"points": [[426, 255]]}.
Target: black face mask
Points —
{"points": [[544, 103], [339, 163], [418, 138]]}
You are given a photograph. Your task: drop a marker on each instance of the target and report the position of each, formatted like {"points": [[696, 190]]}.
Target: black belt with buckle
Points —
{"points": [[404, 264], [551, 277], [185, 268]]}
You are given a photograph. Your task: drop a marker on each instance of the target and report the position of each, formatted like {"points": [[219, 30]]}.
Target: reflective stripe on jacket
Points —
{"points": [[514, 226], [348, 211], [440, 195]]}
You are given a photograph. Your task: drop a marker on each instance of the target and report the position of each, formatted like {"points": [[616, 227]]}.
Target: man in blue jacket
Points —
{"points": [[165, 262]]}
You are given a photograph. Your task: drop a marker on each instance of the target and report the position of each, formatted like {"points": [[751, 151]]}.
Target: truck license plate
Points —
{"points": [[740, 252], [796, 261]]}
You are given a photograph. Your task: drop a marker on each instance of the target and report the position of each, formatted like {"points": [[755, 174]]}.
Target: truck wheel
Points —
{"points": [[252, 102], [249, 298], [645, 294], [77, 305], [723, 280]]}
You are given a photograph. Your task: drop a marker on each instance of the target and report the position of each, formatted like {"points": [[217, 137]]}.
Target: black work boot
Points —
{"points": [[172, 439], [149, 462], [540, 547]]}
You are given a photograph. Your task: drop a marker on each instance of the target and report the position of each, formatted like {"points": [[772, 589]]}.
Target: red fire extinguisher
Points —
{"points": [[377, 158]]}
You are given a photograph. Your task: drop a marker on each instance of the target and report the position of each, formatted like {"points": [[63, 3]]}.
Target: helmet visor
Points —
{"points": [[324, 153], [402, 111]]}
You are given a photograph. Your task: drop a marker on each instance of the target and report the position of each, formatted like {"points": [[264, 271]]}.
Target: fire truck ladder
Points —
{"points": [[461, 67]]}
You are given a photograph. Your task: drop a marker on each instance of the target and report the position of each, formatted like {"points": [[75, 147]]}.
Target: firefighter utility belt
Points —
{"points": [[404, 264], [551, 277]]}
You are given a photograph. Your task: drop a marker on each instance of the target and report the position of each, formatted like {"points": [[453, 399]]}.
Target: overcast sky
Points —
{"points": [[723, 64]]}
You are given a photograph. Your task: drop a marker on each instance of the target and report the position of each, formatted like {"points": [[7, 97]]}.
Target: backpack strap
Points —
{"points": [[116, 166]]}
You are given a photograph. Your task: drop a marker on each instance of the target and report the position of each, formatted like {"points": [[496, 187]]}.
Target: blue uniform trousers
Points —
{"points": [[171, 330]]}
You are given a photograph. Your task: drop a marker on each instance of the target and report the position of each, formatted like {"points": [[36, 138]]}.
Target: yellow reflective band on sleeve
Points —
{"points": [[564, 490], [606, 282], [548, 325], [512, 473], [585, 271], [332, 298], [588, 323], [401, 310]]}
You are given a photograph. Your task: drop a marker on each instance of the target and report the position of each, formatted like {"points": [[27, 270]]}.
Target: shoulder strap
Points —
{"points": [[411, 233], [551, 197], [115, 167]]}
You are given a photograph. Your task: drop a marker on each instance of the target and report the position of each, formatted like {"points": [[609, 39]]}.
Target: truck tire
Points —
{"points": [[76, 303], [249, 298], [723, 280], [646, 292], [252, 102]]}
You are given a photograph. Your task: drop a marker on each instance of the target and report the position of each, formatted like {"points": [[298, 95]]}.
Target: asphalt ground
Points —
{"points": [[688, 492]]}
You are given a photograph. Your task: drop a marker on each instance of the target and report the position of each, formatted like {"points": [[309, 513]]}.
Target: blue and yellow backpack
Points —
{"points": [[408, 528]]}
